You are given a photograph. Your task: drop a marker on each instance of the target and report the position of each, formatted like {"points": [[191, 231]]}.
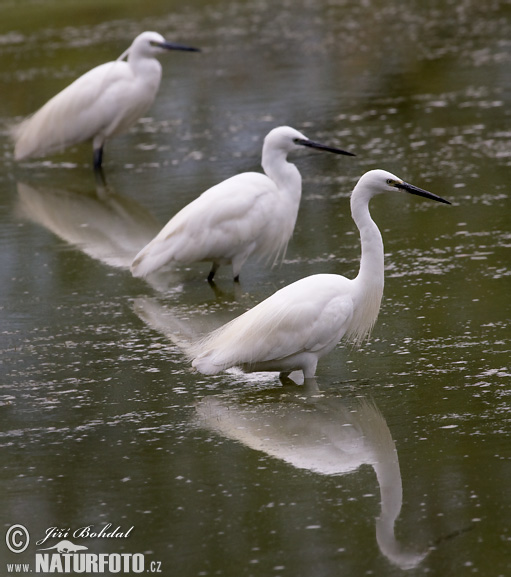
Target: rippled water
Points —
{"points": [[400, 463]]}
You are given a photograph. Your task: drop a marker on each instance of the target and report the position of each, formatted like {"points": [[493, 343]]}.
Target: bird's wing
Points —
{"points": [[227, 214], [75, 114], [306, 316], [220, 223]]}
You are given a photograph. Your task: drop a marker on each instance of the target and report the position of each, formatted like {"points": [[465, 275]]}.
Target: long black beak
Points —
{"points": [[420, 192], [172, 46], [318, 146]]}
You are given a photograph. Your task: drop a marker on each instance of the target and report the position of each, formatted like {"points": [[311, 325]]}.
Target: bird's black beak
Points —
{"points": [[318, 146], [420, 192], [172, 46]]}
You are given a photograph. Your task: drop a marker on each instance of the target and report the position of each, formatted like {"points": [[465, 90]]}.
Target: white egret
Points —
{"points": [[247, 214], [102, 103], [296, 326]]}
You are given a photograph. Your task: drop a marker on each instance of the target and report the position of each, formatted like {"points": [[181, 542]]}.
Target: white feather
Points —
{"points": [[250, 214], [292, 329], [102, 103], [288, 331], [215, 228]]}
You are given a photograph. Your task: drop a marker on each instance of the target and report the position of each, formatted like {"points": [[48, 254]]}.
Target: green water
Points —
{"points": [[101, 419]]}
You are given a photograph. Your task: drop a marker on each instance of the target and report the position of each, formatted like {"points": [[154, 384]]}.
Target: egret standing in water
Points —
{"points": [[292, 329], [102, 103], [248, 214]]}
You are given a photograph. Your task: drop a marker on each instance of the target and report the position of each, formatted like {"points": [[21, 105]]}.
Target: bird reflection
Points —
{"points": [[104, 225], [317, 432], [180, 331]]}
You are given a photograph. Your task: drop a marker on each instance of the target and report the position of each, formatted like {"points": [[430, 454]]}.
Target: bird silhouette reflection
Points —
{"points": [[319, 433], [101, 223]]}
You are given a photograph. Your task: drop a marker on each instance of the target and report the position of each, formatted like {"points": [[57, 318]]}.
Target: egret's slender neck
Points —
{"points": [[370, 277], [145, 66], [283, 173], [372, 260]]}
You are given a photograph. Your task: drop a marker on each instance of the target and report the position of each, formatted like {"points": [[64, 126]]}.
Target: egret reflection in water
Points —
{"points": [[178, 330], [104, 225], [319, 433]]}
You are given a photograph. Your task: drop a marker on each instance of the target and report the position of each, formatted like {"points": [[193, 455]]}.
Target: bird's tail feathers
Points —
{"points": [[147, 262], [44, 132], [225, 347], [205, 366], [22, 145]]}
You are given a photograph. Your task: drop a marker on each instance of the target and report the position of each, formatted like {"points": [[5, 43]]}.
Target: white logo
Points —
{"points": [[67, 557], [66, 547], [17, 538]]}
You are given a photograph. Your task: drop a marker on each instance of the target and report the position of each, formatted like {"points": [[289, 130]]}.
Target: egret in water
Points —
{"points": [[296, 326], [247, 214], [102, 103]]}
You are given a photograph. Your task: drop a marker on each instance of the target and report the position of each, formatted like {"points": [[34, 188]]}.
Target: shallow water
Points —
{"points": [[102, 420]]}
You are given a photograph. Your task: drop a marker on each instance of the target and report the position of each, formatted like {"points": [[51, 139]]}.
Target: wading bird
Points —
{"points": [[296, 326], [102, 103], [247, 214]]}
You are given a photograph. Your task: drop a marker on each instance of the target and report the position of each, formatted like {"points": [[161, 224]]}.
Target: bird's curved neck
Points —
{"points": [[370, 278], [371, 262], [283, 173], [144, 66]]}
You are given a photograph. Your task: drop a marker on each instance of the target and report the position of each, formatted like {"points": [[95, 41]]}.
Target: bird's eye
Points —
{"points": [[390, 181]]}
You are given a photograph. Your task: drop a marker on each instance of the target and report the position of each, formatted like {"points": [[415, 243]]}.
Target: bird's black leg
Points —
{"points": [[101, 183], [212, 272], [296, 378], [97, 158], [284, 378]]}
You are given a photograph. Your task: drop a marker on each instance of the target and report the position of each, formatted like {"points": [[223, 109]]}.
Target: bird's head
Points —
{"points": [[149, 44], [379, 181], [287, 139]]}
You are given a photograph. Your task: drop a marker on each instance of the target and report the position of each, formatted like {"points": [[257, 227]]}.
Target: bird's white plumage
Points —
{"points": [[102, 103], [226, 224], [292, 329], [288, 331], [99, 103], [248, 214]]}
